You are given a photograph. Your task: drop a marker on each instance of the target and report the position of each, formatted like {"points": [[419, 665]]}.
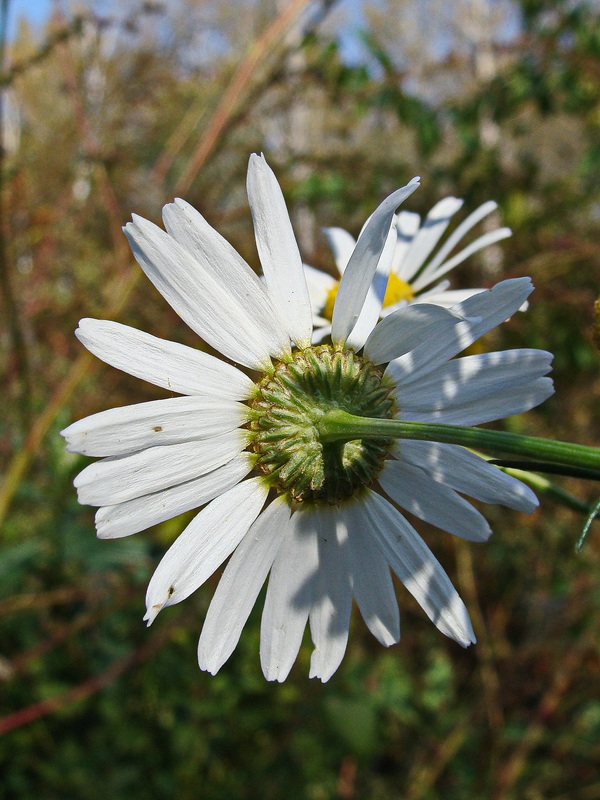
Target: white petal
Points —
{"points": [[320, 333], [173, 366], [504, 403], [371, 310], [124, 519], [445, 297], [406, 224], [210, 537], [278, 251], [428, 236], [359, 273], [159, 422], [438, 295], [490, 307], [319, 285], [479, 244], [371, 580], [240, 584], [438, 290], [455, 237], [466, 380], [342, 246], [332, 602], [419, 570], [413, 489], [408, 327], [468, 473], [289, 596], [496, 304], [220, 260], [204, 304], [115, 480]]}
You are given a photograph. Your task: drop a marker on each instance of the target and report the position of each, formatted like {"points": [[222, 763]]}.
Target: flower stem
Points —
{"points": [[588, 523], [547, 468], [339, 425]]}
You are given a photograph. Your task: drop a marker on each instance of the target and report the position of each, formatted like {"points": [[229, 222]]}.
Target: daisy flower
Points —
{"points": [[319, 519], [410, 270]]}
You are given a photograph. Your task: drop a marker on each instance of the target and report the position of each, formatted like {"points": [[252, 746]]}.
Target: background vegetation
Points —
{"points": [[107, 114]]}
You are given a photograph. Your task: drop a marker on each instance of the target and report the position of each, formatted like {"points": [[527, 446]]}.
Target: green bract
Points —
{"points": [[289, 403]]}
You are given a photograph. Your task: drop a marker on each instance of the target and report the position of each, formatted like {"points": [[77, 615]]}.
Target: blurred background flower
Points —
{"points": [[416, 271], [109, 108]]}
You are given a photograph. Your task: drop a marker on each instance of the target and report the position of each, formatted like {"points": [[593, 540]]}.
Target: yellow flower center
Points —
{"points": [[396, 290]]}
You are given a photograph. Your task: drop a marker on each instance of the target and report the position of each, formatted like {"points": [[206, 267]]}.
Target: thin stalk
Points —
{"points": [[588, 523], [548, 469], [543, 486], [339, 425], [14, 325]]}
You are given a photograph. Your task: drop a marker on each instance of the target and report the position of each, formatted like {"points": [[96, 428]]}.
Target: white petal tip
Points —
{"points": [[137, 224], [256, 160], [387, 639], [82, 496], [384, 635], [84, 326], [466, 637], [276, 675], [210, 661], [152, 613], [208, 667], [323, 678]]}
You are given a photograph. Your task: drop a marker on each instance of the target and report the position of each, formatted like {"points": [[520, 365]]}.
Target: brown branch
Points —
{"points": [[120, 595], [423, 774], [35, 600], [87, 688], [121, 288], [92, 151], [84, 365], [13, 322], [487, 668], [19, 663], [238, 83], [74, 28], [566, 665]]}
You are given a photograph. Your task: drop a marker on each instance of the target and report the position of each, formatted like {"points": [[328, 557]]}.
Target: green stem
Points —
{"points": [[339, 425], [545, 467]]}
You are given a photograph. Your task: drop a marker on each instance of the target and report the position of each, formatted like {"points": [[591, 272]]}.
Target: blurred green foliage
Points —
{"points": [[95, 705]]}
